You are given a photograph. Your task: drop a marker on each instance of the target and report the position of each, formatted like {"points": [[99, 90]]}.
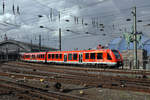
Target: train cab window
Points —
{"points": [[87, 56], [69, 56], [92, 56], [108, 56], [49, 56], [116, 53], [75, 56], [53, 56], [56, 56], [99, 55], [60, 56]]}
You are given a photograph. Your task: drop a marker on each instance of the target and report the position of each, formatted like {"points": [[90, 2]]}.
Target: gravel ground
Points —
{"points": [[91, 93]]}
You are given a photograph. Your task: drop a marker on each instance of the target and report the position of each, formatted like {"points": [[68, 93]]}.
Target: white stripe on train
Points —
{"points": [[73, 62]]}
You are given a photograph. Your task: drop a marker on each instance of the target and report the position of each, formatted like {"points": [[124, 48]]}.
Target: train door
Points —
{"points": [[65, 57], [80, 58], [46, 55]]}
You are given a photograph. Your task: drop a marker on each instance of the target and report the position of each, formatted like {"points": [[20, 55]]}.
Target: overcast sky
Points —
{"points": [[83, 19]]}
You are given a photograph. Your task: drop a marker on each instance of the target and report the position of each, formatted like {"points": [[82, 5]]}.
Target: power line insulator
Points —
{"points": [[86, 24], [67, 20], [139, 20], [40, 16], [67, 30], [128, 19]]}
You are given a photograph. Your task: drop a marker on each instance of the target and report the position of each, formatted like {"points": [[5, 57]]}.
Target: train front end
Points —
{"points": [[117, 58]]}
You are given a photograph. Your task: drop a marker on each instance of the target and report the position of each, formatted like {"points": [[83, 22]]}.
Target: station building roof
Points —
{"points": [[13, 46]]}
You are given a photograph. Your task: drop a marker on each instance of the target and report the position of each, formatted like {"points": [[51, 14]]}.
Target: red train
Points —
{"points": [[100, 57]]}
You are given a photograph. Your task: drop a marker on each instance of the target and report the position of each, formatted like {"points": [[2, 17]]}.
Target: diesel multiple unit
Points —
{"points": [[112, 58]]}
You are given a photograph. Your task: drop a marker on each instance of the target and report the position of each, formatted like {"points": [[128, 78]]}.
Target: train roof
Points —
{"points": [[68, 51]]}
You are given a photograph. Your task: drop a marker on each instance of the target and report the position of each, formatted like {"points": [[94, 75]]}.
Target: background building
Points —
{"points": [[9, 49]]}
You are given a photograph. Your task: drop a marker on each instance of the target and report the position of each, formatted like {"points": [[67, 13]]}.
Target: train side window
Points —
{"points": [[60, 56], [49, 56], [99, 55], [92, 56], [33, 56], [75, 56], [43, 55], [56, 56], [108, 56], [69, 56], [87, 56], [53, 56]]}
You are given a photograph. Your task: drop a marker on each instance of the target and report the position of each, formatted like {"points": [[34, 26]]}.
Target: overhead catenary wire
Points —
{"points": [[81, 22]]}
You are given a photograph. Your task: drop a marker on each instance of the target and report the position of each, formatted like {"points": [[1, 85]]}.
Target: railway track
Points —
{"points": [[62, 74], [29, 92], [88, 79], [87, 69]]}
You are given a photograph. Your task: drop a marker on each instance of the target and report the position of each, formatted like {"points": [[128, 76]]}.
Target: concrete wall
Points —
{"points": [[128, 58]]}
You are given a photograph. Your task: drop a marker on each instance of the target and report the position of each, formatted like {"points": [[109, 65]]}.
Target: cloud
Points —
{"points": [[7, 17], [108, 12]]}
